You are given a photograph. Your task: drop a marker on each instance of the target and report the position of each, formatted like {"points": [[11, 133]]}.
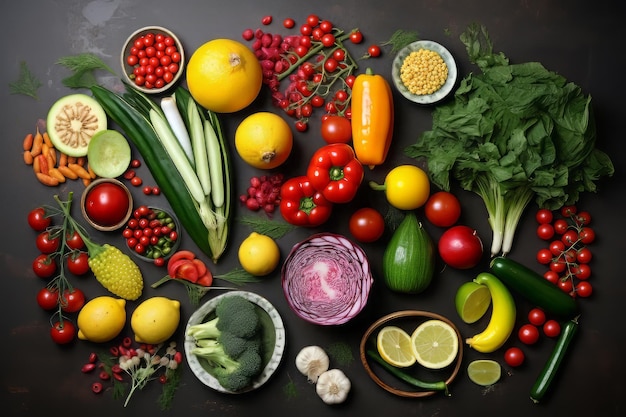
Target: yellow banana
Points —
{"points": [[502, 319]]}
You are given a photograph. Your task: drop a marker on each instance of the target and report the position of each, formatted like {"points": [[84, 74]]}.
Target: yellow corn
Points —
{"points": [[423, 72], [117, 272]]}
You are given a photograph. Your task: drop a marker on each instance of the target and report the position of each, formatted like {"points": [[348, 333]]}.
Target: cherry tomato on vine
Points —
{"points": [[326, 26], [442, 209], [306, 29], [336, 129], [557, 247], [74, 241], [330, 65], [560, 226], [44, 266], [367, 224], [47, 244], [570, 237], [301, 126], [584, 256], [545, 231], [528, 334], [328, 40], [72, 300], [587, 235], [568, 211], [537, 316], [356, 37], [552, 328], [584, 289], [552, 277], [78, 263], [288, 23], [544, 256], [582, 271], [312, 20], [37, 219], [374, 51], [339, 54], [558, 266], [566, 285], [47, 298], [63, 333], [514, 357], [583, 218], [544, 216]]}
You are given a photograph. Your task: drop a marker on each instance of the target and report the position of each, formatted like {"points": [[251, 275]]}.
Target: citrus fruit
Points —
{"points": [[108, 153], [484, 372], [72, 121], [224, 75], [472, 301], [101, 319], [394, 346], [259, 254], [435, 344], [155, 320], [264, 140]]}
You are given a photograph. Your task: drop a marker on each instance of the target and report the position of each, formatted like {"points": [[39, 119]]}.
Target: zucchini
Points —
{"points": [[542, 384], [534, 287], [409, 259], [142, 135]]}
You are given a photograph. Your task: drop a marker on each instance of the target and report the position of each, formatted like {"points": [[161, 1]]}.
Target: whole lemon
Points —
{"points": [[155, 320], [224, 75], [264, 140], [259, 254], [407, 187], [101, 319]]}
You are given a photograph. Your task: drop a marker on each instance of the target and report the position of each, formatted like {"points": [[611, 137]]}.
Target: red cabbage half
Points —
{"points": [[326, 279]]}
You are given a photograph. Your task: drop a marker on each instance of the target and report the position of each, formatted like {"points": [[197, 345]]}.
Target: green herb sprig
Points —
{"points": [[401, 38], [83, 67], [26, 84]]}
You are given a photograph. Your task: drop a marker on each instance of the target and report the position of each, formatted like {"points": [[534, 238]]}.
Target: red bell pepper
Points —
{"points": [[335, 171], [301, 204]]}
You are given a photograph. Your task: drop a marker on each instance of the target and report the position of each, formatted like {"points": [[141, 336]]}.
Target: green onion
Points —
{"points": [[215, 164], [175, 120], [196, 130]]}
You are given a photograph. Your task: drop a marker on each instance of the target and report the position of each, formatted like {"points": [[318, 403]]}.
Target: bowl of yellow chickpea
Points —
{"points": [[424, 72]]}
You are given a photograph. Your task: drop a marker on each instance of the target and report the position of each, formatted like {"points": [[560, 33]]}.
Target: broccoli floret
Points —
{"points": [[234, 346], [234, 314]]}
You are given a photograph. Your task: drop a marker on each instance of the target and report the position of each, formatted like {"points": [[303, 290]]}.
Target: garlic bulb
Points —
{"points": [[312, 361], [333, 386]]}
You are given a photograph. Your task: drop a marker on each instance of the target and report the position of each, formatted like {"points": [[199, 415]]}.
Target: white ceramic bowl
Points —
{"points": [[426, 98], [273, 339]]}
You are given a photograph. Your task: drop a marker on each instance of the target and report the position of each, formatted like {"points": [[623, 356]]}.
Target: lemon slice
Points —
{"points": [[394, 346], [435, 344], [472, 301], [484, 372]]}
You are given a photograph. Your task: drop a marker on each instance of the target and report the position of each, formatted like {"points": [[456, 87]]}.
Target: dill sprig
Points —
{"points": [[238, 276], [83, 67], [173, 378], [26, 84], [400, 39], [272, 228]]}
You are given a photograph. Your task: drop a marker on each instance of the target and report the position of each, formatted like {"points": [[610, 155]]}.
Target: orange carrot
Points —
{"points": [[80, 171], [47, 179], [28, 142], [67, 172], [37, 144], [55, 173], [46, 140], [28, 158]]}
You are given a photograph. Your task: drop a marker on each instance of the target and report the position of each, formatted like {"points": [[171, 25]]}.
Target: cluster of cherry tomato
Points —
{"points": [[263, 193], [61, 251], [318, 67], [567, 255], [151, 233], [155, 60]]}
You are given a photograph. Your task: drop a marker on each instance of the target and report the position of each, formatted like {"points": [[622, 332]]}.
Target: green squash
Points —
{"points": [[409, 259]]}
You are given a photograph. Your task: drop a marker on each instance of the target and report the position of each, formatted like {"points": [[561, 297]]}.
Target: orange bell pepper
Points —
{"points": [[372, 118]]}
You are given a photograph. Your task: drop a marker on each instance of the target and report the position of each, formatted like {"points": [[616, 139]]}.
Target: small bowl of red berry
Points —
{"points": [[152, 59], [152, 234]]}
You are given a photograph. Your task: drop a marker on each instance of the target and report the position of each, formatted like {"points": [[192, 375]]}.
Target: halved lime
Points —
{"points": [[108, 153], [472, 301], [484, 372]]}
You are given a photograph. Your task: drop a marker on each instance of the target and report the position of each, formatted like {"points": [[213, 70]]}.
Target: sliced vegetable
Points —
{"points": [[547, 375]]}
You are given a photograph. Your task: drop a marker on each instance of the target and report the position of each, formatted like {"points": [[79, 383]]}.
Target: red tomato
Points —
{"points": [[560, 226], [37, 219], [367, 224], [584, 289], [545, 231], [107, 204], [460, 247], [552, 328], [570, 237], [44, 266], [336, 129], [374, 51], [63, 333], [552, 277], [584, 256], [528, 334], [47, 244], [587, 235], [583, 218], [537, 316], [544, 216], [289, 23], [582, 271], [557, 247], [442, 209], [47, 298], [356, 36], [544, 256], [74, 241], [72, 301], [78, 263], [514, 357]]}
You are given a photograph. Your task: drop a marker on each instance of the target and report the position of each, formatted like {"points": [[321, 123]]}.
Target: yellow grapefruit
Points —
{"points": [[224, 75], [264, 140]]}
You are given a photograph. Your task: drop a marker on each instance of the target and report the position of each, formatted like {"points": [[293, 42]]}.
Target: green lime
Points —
{"points": [[484, 372], [472, 301]]}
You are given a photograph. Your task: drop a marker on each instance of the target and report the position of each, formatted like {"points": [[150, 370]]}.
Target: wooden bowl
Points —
{"points": [[407, 319]]}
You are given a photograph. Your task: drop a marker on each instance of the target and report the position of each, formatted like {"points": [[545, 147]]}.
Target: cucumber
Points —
{"points": [[108, 153], [534, 287], [542, 384], [409, 259]]}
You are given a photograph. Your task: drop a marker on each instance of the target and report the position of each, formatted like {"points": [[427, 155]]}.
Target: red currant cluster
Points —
{"points": [[568, 256], [263, 193], [318, 67]]}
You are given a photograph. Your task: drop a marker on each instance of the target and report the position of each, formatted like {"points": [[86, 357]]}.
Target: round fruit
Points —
{"points": [[72, 121], [259, 254], [407, 187], [442, 209], [460, 247], [264, 140], [484, 372], [224, 76], [155, 320], [435, 344], [394, 346], [107, 204], [472, 301], [101, 319], [108, 153]]}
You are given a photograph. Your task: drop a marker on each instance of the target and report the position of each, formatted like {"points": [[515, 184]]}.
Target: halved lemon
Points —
{"points": [[472, 301], [484, 372], [435, 344], [394, 346]]}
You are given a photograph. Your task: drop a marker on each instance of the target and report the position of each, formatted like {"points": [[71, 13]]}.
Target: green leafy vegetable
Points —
{"points": [[513, 133], [401, 38], [26, 84], [83, 67]]}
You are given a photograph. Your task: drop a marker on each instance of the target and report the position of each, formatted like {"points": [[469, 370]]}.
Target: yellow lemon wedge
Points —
{"points": [[394, 346], [435, 344]]}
